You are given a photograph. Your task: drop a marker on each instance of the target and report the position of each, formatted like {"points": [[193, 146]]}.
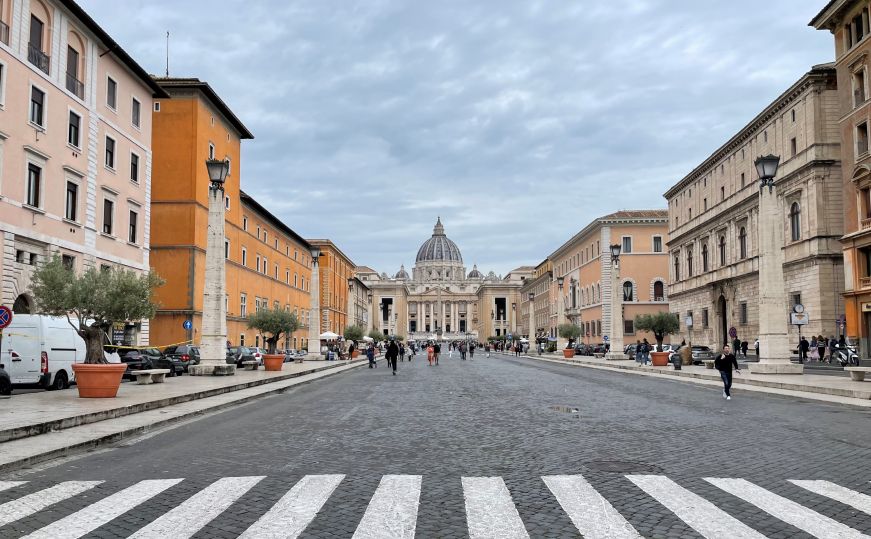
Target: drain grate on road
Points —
{"points": [[622, 467]]}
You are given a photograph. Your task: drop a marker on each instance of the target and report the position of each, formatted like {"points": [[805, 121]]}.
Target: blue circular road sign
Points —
{"points": [[187, 324], [5, 316]]}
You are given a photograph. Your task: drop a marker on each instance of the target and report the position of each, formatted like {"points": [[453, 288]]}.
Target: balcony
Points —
{"points": [[865, 282], [4, 32], [75, 86], [866, 223], [38, 58]]}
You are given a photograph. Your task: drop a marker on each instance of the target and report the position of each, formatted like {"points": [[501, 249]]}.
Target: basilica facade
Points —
{"points": [[440, 300]]}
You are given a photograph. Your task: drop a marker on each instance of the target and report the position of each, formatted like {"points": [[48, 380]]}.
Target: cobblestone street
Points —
{"points": [[645, 445]]}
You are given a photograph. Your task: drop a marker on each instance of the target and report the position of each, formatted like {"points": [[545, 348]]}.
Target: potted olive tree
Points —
{"points": [[274, 322], [376, 336], [660, 324], [570, 332], [91, 302], [354, 334]]}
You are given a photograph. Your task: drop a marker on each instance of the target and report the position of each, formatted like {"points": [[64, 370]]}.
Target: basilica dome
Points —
{"points": [[439, 248]]}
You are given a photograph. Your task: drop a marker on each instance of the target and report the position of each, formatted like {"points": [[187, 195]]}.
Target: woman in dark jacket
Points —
{"points": [[724, 364]]}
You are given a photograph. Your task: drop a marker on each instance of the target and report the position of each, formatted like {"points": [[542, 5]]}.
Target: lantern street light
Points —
{"points": [[561, 313], [615, 352], [314, 326], [213, 342], [774, 349], [532, 338], [351, 316], [371, 322]]}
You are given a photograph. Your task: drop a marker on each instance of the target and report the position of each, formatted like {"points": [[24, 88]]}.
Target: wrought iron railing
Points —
{"points": [[38, 58], [75, 86]]}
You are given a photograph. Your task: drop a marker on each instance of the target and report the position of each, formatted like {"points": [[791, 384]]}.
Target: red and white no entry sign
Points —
{"points": [[5, 316]]}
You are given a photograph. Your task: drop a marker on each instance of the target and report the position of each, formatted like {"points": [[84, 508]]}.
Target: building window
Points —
{"points": [[796, 298], [658, 291], [257, 264], [227, 249], [742, 180], [792, 112], [689, 214], [705, 318], [689, 263], [629, 327], [276, 272], [258, 232], [72, 201], [859, 88], [705, 264], [627, 244], [69, 262], [287, 276], [157, 106], [265, 235], [705, 204], [111, 93], [211, 151], [742, 243], [722, 194], [793, 146], [265, 266], [34, 185], [245, 224], [35, 53], [2, 83], [243, 307], [108, 214], [131, 232], [110, 152], [37, 106], [676, 267], [657, 244], [134, 168], [295, 281], [74, 131], [795, 221], [134, 112], [722, 250], [862, 139], [742, 314], [628, 291], [227, 202], [244, 256]]}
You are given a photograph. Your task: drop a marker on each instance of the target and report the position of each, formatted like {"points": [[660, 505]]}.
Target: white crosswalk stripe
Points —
{"points": [[33, 503], [591, 513], [392, 511], [860, 501], [190, 516], [698, 513], [98, 513], [6, 485], [490, 511], [786, 510], [295, 510]]}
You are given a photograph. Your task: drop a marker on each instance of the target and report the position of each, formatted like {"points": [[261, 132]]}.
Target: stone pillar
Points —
{"points": [[213, 343], [616, 337], [314, 327], [774, 349]]}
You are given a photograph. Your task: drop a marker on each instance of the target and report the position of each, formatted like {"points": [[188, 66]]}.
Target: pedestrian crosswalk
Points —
{"points": [[491, 509]]}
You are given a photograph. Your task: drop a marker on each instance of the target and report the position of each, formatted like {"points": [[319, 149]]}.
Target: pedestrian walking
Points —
{"points": [[645, 352], [736, 345], [803, 347], [488, 349], [392, 355], [814, 353], [724, 364], [401, 352], [351, 350], [430, 352], [638, 355], [436, 351], [471, 351], [744, 349], [370, 355], [463, 351], [756, 347], [821, 348]]}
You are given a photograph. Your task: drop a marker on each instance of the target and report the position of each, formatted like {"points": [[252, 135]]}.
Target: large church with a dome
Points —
{"points": [[440, 300]]}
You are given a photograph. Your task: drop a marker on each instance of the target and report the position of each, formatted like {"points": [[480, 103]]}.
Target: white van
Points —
{"points": [[40, 350]]}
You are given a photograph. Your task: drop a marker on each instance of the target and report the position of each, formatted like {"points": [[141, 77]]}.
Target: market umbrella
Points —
{"points": [[367, 338], [524, 339], [329, 336]]}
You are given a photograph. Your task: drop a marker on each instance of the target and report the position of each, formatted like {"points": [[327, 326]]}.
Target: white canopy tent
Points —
{"points": [[329, 336]]}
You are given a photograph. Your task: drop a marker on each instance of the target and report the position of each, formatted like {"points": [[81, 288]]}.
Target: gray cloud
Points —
{"points": [[517, 122]]}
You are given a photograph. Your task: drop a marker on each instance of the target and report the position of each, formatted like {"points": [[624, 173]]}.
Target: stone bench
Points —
{"points": [[150, 376], [599, 355], [857, 373], [250, 365], [709, 363]]}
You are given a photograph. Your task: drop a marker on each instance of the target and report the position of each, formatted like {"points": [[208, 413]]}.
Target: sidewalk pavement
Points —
{"points": [[39, 426], [821, 387]]}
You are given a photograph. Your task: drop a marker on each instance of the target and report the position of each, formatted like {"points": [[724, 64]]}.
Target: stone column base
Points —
{"points": [[212, 369], [615, 356], [775, 368]]}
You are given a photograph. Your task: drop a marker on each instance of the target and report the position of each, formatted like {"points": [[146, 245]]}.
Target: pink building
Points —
{"points": [[75, 148]]}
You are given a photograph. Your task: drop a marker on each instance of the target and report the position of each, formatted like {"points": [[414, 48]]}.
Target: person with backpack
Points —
{"points": [[724, 364], [370, 355]]}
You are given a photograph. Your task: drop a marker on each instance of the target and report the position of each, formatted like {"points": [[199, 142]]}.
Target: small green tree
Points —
{"points": [[275, 322], [96, 298], [660, 324], [376, 336], [398, 338], [354, 333], [570, 332]]}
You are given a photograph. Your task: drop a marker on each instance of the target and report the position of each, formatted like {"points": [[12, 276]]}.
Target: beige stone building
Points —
{"points": [[848, 21], [540, 285], [713, 216], [583, 263]]}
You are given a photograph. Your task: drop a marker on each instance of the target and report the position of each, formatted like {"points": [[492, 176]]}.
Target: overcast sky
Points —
{"points": [[517, 121]]}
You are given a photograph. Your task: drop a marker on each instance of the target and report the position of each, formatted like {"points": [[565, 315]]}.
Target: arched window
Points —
{"points": [[722, 250], [676, 268], [627, 291], [705, 264], [658, 291], [689, 262], [795, 221], [598, 293], [742, 243]]}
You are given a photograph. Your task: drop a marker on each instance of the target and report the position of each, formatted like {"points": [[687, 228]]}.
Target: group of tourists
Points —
{"points": [[642, 352], [819, 348]]}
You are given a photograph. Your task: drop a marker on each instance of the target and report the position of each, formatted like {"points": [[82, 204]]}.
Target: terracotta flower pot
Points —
{"points": [[569, 353], [355, 354], [98, 381], [659, 359], [273, 362]]}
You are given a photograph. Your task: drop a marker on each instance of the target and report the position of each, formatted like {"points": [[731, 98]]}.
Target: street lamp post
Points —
{"points": [[314, 326], [774, 355], [616, 350], [561, 313], [213, 343], [370, 325], [350, 317], [531, 337]]}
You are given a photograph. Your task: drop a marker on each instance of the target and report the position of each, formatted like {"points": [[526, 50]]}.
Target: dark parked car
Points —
{"points": [[239, 354], [700, 354], [182, 355], [136, 360]]}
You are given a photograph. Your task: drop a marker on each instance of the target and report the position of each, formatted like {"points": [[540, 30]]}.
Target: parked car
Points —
{"points": [[239, 354], [700, 354], [136, 360], [182, 355], [39, 350], [289, 355], [257, 354]]}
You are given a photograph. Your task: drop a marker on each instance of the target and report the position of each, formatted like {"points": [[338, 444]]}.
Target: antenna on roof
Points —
{"points": [[167, 54]]}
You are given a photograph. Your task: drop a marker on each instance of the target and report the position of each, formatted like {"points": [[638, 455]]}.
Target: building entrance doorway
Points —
{"points": [[22, 305], [723, 322]]}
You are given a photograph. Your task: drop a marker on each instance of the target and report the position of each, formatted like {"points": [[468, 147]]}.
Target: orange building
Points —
{"points": [[268, 264], [335, 270]]}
